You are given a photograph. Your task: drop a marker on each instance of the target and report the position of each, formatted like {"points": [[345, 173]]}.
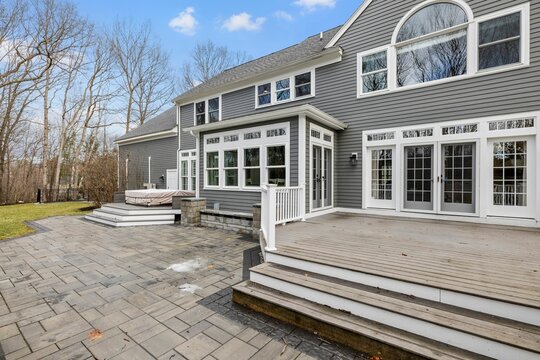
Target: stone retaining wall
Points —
{"points": [[226, 220]]}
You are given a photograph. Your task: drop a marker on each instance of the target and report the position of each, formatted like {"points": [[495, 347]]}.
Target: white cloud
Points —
{"points": [[312, 5], [283, 15], [243, 21], [185, 22]]}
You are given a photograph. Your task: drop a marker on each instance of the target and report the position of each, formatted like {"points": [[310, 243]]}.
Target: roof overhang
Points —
{"points": [[148, 137], [328, 56], [306, 110]]}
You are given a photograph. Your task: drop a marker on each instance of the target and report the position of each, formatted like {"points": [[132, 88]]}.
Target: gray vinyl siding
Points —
{"points": [[495, 94], [501, 93], [187, 115], [243, 201], [163, 153]]}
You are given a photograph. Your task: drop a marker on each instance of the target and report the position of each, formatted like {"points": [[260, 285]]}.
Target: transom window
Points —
{"points": [[208, 111], [283, 89], [425, 54], [441, 42]]}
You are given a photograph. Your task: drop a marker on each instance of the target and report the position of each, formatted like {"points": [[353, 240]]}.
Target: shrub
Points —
{"points": [[100, 178]]}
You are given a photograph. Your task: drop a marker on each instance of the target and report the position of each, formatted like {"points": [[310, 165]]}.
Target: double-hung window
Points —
{"points": [[200, 112], [264, 94], [302, 85], [184, 175], [500, 41], [230, 166], [252, 167], [208, 111], [374, 72], [283, 90], [212, 168], [276, 166], [193, 175]]}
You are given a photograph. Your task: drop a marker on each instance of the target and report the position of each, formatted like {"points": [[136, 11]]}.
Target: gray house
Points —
{"points": [[417, 107], [147, 155]]}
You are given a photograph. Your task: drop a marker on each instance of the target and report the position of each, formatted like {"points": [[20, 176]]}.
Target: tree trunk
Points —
{"points": [[45, 155]]}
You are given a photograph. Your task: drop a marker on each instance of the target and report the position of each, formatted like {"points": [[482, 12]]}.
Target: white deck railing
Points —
{"points": [[280, 206]]}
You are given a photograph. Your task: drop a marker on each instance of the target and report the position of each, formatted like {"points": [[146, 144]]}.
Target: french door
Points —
{"points": [[440, 173], [321, 168]]}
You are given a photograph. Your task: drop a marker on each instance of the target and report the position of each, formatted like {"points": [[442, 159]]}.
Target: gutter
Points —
{"points": [[306, 110], [148, 137]]}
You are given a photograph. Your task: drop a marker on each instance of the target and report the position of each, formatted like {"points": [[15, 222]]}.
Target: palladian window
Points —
{"points": [[432, 45]]}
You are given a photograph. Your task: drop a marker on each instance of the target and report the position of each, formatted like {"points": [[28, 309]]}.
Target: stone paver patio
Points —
{"points": [[84, 291]]}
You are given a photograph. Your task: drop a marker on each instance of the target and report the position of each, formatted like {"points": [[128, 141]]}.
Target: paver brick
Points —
{"points": [[197, 347], [235, 349], [163, 342]]}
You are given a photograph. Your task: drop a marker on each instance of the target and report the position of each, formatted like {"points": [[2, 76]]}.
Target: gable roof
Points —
{"points": [[310, 48], [348, 23], [163, 122]]}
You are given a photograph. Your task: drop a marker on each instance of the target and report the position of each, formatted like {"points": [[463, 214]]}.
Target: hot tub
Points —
{"points": [[154, 197]]}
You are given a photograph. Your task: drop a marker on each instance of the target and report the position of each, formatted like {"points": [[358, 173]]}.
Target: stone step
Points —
{"points": [[127, 223]]}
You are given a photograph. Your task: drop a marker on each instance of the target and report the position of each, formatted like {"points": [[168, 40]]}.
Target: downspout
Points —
{"points": [[117, 167], [197, 147]]}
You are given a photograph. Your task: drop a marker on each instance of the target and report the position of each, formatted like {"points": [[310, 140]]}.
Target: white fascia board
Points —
{"points": [[349, 23], [307, 110], [148, 137], [328, 56]]}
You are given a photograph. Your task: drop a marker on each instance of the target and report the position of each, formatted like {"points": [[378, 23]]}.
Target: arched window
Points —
{"points": [[432, 44]]}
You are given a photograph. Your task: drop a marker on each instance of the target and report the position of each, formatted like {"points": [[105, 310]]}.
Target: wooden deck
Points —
{"points": [[500, 263]]}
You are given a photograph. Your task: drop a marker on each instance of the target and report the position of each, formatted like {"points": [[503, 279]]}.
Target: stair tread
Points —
{"points": [[101, 219], [505, 293], [488, 326], [101, 211], [385, 334]]}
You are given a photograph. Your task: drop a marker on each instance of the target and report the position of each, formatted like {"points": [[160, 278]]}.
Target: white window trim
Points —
{"points": [[261, 143], [481, 137], [192, 156], [206, 169], [360, 56], [292, 87], [237, 168], [472, 48], [206, 109]]}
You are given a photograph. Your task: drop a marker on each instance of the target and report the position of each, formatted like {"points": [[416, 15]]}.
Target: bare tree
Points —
{"points": [[145, 74], [208, 60]]}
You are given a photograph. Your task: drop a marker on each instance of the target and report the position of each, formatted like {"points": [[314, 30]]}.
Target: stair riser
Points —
{"points": [[128, 223], [133, 218], [426, 329], [503, 309], [142, 211]]}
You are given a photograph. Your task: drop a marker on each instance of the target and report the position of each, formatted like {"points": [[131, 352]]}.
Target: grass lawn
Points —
{"points": [[12, 217]]}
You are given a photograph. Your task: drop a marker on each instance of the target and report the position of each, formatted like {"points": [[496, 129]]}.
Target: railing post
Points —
{"points": [[271, 218], [303, 201]]}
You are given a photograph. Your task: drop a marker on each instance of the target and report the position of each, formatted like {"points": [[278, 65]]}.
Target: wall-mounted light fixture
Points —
{"points": [[354, 158], [162, 178]]}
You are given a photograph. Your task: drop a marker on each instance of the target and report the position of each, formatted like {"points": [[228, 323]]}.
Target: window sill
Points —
{"points": [[479, 73], [252, 190]]}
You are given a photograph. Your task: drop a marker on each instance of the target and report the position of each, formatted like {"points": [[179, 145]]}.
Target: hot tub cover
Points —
{"points": [[154, 197]]}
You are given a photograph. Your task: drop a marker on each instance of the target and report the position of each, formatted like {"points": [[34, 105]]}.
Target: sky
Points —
{"points": [[258, 27]]}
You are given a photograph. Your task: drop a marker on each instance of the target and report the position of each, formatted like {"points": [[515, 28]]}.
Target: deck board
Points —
{"points": [[493, 261]]}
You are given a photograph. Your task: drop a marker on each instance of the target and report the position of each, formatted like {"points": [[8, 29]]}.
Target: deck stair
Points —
{"points": [[394, 323], [123, 215]]}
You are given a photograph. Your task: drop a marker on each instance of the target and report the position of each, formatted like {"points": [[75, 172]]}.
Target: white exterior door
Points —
{"points": [[512, 177], [172, 179], [381, 166]]}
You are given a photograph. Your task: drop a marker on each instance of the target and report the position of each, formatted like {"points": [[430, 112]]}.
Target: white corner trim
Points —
{"points": [[148, 137], [306, 110], [349, 23]]}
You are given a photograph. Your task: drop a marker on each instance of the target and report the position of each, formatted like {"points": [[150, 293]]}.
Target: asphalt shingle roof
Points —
{"points": [[306, 49], [162, 122]]}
